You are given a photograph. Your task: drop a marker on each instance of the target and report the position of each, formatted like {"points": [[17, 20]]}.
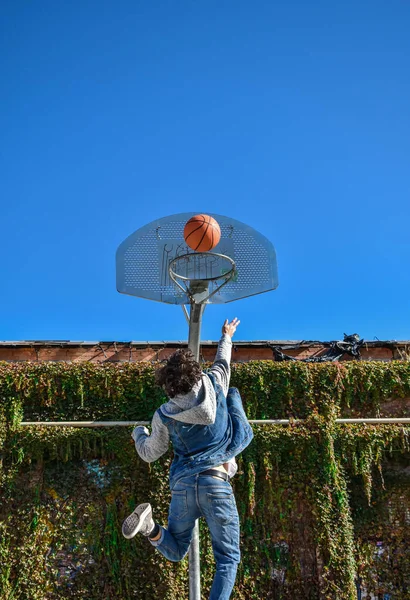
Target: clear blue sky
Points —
{"points": [[292, 116]]}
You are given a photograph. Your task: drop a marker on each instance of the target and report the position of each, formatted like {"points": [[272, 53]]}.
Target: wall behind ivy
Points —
{"points": [[322, 506]]}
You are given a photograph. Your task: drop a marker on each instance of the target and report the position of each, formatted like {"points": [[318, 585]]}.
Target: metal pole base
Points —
{"points": [[194, 565]]}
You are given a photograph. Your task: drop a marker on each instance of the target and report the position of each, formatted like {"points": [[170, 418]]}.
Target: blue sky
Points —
{"points": [[293, 117]]}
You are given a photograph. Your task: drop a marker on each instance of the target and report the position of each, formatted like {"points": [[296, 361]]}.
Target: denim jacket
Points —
{"points": [[201, 447]]}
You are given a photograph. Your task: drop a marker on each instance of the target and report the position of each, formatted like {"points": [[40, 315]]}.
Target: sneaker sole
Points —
{"points": [[133, 523]]}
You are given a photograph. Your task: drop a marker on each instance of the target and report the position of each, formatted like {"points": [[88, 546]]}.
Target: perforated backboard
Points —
{"points": [[143, 261]]}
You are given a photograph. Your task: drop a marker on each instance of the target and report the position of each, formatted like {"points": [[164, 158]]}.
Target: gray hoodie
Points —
{"points": [[197, 407]]}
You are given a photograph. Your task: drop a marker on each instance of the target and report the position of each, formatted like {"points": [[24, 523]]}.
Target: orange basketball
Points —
{"points": [[202, 233]]}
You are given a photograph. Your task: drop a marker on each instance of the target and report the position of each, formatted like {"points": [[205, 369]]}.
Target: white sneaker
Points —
{"points": [[139, 521]]}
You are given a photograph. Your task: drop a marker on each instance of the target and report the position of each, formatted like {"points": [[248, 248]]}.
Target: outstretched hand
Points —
{"points": [[230, 328]]}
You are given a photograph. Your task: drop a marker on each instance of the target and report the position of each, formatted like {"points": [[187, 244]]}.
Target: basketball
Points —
{"points": [[202, 233]]}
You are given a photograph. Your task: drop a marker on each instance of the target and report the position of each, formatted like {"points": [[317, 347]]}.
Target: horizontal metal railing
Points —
{"points": [[375, 421]]}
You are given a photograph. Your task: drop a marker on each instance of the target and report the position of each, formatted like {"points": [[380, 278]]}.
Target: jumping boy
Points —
{"points": [[206, 423]]}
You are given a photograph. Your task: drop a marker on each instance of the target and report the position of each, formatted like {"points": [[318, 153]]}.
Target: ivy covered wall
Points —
{"points": [[324, 507]]}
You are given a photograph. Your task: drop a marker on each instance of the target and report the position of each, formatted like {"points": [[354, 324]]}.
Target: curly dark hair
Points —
{"points": [[180, 373]]}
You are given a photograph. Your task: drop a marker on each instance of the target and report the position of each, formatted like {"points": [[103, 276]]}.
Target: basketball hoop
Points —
{"points": [[144, 257], [195, 271]]}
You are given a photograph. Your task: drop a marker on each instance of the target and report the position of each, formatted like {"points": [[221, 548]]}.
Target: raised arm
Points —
{"points": [[221, 369]]}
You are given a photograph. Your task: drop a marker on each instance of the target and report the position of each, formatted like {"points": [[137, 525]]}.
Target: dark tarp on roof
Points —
{"points": [[351, 345]]}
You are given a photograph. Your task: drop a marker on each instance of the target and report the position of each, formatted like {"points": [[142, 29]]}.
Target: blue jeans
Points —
{"points": [[212, 498]]}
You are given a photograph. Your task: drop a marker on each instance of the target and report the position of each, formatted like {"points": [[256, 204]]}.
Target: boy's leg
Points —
{"points": [[174, 541], [219, 508]]}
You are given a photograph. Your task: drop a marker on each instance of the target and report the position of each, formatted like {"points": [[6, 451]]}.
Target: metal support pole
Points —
{"points": [[195, 321]]}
